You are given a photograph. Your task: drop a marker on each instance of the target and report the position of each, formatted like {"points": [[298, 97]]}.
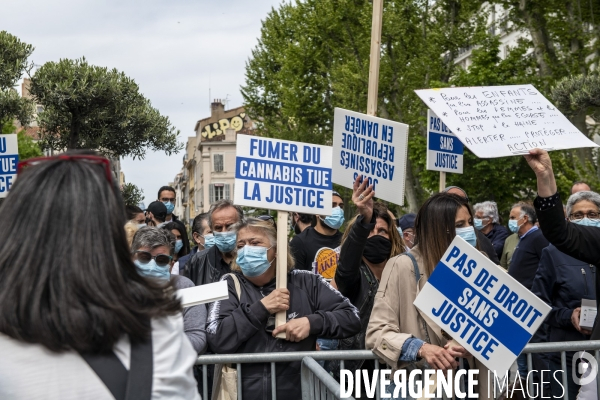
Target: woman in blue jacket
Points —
{"points": [[562, 282]]}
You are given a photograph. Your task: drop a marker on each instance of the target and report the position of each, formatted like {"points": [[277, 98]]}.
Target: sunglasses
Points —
{"points": [[162, 260], [104, 162]]}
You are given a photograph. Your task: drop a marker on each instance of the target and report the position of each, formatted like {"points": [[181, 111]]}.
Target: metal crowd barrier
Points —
{"points": [[317, 383]]}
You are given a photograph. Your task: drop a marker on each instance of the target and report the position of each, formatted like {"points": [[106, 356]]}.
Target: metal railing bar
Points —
{"points": [[529, 381], [563, 364], [273, 382], [205, 381], [239, 381], [323, 376]]}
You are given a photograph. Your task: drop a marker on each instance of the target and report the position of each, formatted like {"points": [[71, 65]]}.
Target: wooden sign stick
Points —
{"points": [[375, 57], [282, 254]]}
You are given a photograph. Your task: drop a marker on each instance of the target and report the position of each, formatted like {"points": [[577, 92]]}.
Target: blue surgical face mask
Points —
{"points": [[170, 207], [209, 240], [225, 241], [468, 234], [399, 230], [253, 260], [588, 222], [513, 225], [178, 246], [335, 220], [478, 223], [140, 226], [152, 270]]}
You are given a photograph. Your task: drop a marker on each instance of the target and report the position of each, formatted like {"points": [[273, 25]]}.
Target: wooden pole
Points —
{"points": [[442, 181], [282, 254], [374, 58]]}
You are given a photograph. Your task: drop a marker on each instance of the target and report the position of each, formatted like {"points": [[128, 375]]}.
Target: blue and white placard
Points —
{"points": [[283, 175], [444, 150], [373, 147], [9, 158], [482, 307]]}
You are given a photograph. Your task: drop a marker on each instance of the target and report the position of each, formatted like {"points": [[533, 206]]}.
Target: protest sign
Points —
{"points": [[202, 294], [444, 150], [499, 121], [482, 307], [283, 175], [9, 158], [373, 147]]}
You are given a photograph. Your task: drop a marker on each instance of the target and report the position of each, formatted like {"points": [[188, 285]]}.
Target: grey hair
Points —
{"points": [[219, 205], [152, 238], [489, 209], [580, 196], [528, 210]]}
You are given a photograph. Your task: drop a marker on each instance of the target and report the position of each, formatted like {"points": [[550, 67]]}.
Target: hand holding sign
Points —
{"points": [[362, 197], [540, 162]]}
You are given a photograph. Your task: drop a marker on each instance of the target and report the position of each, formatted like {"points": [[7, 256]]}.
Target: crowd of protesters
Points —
{"points": [[90, 311]]}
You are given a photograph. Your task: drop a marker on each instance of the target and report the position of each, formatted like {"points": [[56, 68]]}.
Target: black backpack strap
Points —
{"points": [[135, 384], [415, 266], [110, 370], [139, 384]]}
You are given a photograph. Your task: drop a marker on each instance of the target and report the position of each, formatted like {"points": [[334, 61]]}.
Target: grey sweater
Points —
{"points": [[194, 318]]}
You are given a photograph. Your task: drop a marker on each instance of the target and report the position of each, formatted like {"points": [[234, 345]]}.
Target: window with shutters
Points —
{"points": [[217, 192], [227, 193], [218, 162]]}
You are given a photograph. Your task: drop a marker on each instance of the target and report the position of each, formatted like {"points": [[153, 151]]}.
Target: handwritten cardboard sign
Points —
{"points": [[373, 147], [482, 307], [499, 121], [283, 175], [9, 158]]}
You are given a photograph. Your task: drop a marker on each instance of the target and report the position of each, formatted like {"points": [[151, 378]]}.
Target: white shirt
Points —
{"points": [[30, 371]]}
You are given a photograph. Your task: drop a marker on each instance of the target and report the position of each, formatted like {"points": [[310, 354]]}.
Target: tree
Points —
{"points": [[313, 56], [132, 195], [13, 64], [86, 106]]}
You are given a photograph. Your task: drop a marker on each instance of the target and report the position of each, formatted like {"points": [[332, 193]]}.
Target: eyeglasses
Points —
{"points": [[164, 200], [85, 158], [582, 215], [162, 260]]}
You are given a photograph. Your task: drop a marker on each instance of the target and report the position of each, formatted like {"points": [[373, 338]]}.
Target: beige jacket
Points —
{"points": [[394, 317]]}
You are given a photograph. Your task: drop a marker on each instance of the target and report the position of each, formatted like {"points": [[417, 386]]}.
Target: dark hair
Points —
{"points": [[162, 189], [197, 224], [158, 210], [381, 211], [132, 211], [435, 226], [78, 288], [305, 218], [178, 226]]}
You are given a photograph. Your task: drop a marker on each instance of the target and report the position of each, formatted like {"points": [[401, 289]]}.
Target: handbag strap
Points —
{"points": [[418, 277], [135, 384], [236, 282]]}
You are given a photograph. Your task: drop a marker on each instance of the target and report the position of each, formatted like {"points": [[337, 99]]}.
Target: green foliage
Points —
{"points": [[86, 106], [132, 195], [13, 64], [27, 147]]}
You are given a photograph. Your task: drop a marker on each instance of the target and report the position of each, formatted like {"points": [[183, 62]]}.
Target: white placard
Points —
{"points": [[588, 313], [370, 146], [444, 150], [283, 175], [9, 158], [499, 121], [482, 307], [202, 294]]}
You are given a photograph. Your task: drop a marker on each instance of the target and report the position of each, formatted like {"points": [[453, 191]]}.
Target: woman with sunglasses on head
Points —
{"points": [[77, 320], [398, 332], [369, 241], [152, 249], [245, 322]]}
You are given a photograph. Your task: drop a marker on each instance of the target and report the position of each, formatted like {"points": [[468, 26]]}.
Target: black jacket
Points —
{"points": [[183, 260], [498, 236], [239, 327], [486, 246], [562, 281], [579, 242], [355, 280], [205, 267], [526, 258]]}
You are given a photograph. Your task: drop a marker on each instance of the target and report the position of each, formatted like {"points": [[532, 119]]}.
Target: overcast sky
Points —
{"points": [[173, 49]]}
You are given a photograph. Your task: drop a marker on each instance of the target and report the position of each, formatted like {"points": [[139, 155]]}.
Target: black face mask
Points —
{"points": [[377, 249]]}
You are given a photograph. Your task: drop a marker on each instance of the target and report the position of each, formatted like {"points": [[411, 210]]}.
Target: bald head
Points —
{"points": [[580, 187], [457, 191]]}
